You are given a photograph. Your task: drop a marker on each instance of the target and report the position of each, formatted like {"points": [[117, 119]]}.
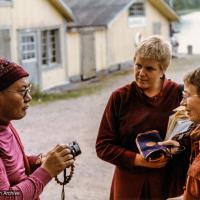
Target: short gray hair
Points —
{"points": [[155, 48]]}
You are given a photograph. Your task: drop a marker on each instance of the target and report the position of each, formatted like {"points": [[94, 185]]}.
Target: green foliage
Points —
{"points": [[92, 87], [186, 4], [40, 97]]}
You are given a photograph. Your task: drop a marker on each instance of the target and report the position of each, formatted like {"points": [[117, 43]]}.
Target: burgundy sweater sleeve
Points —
{"points": [[29, 188], [108, 140]]}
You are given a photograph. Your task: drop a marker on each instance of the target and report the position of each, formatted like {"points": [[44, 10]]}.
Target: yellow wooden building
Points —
{"points": [[59, 41]]}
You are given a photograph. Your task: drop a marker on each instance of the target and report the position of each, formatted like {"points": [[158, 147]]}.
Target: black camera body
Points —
{"points": [[75, 149]]}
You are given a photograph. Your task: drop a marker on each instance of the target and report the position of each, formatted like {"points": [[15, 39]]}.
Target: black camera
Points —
{"points": [[75, 149]]}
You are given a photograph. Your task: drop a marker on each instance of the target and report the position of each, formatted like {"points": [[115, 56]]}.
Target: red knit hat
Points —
{"points": [[9, 73]]}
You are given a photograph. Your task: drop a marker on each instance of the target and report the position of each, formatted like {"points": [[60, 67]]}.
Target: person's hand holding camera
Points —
{"points": [[58, 159]]}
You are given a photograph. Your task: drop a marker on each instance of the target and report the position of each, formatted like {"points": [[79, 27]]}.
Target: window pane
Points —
{"points": [[28, 48], [137, 9], [44, 47], [44, 61], [53, 60], [49, 47]]}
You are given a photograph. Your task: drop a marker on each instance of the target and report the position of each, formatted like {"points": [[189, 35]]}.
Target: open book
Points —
{"points": [[148, 146], [178, 123], [147, 142]]}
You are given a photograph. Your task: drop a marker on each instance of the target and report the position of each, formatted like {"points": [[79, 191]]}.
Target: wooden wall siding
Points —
{"points": [[5, 43], [88, 55]]}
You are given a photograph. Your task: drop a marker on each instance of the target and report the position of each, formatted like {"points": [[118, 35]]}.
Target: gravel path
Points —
{"points": [[78, 119]]}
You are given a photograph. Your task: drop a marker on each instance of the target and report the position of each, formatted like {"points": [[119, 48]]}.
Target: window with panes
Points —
{"points": [[50, 48], [137, 10], [6, 2], [28, 47]]}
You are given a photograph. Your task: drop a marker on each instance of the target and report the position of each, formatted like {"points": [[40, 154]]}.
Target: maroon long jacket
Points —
{"points": [[129, 112]]}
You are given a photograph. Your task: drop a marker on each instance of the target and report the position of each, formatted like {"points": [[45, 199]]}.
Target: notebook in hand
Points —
{"points": [[148, 146]]}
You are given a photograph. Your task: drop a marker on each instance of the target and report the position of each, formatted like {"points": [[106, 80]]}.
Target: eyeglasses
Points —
{"points": [[187, 95], [23, 92]]}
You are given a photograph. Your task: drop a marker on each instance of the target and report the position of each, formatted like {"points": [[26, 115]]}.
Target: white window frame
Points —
{"points": [[6, 2], [136, 15], [28, 54], [137, 10], [50, 48]]}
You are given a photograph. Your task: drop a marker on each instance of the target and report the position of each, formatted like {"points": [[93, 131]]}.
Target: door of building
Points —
{"points": [[29, 55], [5, 46], [88, 55]]}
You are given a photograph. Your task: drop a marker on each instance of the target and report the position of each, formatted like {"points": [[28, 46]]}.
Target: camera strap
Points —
{"points": [[63, 193], [66, 179]]}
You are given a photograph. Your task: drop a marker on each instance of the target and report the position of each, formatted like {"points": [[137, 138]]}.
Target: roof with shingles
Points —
{"points": [[89, 13], [96, 12]]}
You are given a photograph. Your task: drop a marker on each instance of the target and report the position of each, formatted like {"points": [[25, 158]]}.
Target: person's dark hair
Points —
{"points": [[193, 78]]}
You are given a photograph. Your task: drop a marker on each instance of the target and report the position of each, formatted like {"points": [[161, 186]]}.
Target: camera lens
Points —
{"points": [[75, 149]]}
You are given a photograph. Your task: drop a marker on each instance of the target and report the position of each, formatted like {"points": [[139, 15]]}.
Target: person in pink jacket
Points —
{"points": [[21, 176]]}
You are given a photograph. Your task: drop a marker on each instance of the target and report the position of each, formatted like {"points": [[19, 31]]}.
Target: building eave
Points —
{"points": [[124, 8], [165, 10], [63, 9]]}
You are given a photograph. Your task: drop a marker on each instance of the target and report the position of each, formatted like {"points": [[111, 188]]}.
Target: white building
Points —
{"points": [[189, 33]]}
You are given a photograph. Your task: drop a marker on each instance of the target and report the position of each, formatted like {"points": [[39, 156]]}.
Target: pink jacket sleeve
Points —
{"points": [[28, 189], [32, 162]]}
